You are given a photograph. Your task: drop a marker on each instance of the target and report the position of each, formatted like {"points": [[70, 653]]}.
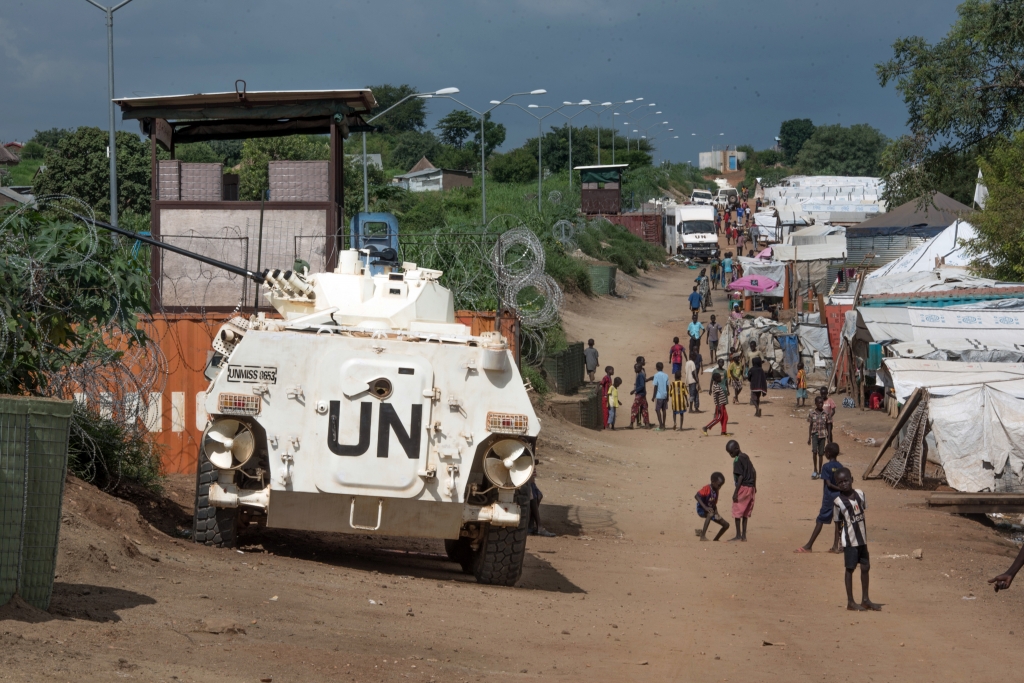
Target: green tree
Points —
{"points": [[228, 151], [411, 146], [792, 136], [257, 153], [410, 116], [494, 133], [32, 150], [517, 166], [196, 152], [998, 249], [962, 93], [456, 127], [50, 138], [78, 166], [837, 150]]}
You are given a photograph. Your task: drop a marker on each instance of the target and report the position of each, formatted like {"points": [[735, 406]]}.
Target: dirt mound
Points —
{"points": [[17, 609]]}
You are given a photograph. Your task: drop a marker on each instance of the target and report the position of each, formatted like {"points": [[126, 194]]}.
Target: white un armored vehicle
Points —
{"points": [[367, 409]]}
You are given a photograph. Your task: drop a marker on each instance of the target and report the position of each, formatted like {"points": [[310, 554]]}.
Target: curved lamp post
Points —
{"points": [[483, 143], [581, 103], [540, 123], [366, 189], [109, 11]]}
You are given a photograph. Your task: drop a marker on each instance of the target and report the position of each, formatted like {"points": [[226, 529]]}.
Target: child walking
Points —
{"points": [[828, 499], [829, 406], [606, 384], [639, 409], [720, 399], [660, 386], [801, 385], [613, 401], [707, 507], [817, 435], [745, 478], [849, 509], [677, 392]]}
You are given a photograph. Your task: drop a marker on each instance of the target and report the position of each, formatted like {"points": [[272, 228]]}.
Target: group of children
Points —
{"points": [[841, 505]]}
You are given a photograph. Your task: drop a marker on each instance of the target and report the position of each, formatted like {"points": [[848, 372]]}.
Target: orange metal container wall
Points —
{"points": [[186, 341]]}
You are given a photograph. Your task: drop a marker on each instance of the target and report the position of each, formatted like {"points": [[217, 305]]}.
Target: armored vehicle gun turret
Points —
{"points": [[366, 408]]}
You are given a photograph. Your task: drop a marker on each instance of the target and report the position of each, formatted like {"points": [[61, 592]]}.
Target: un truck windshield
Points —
{"points": [[698, 227]]}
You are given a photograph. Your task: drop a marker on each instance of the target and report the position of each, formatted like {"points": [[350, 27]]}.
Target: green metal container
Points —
{"points": [[33, 464], [602, 278], [564, 370]]}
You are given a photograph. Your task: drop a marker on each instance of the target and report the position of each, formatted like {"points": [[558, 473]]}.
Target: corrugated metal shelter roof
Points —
{"points": [[247, 105], [422, 165], [833, 248], [912, 219], [600, 167], [946, 245]]}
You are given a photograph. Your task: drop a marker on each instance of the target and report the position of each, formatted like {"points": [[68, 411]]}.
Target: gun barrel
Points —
{"points": [[259, 278]]}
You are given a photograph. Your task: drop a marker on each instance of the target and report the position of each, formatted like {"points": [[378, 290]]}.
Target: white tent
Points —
{"points": [[946, 245], [949, 378], [990, 325]]}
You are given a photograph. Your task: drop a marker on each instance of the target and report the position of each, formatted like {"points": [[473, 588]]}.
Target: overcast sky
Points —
{"points": [[738, 67]]}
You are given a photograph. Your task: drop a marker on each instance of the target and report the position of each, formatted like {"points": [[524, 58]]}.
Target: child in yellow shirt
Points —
{"points": [[613, 401], [801, 385]]}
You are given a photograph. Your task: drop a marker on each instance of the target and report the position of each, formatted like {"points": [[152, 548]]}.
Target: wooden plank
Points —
{"points": [[959, 498], [163, 133], [908, 409], [980, 509]]}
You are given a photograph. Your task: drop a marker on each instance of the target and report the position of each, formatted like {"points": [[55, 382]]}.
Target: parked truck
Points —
{"points": [[694, 235]]}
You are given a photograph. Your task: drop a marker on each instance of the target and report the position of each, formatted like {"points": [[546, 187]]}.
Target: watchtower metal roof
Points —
{"points": [[241, 114]]}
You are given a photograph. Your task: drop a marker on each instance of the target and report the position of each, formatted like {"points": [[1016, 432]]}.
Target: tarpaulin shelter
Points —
{"points": [[946, 248], [1002, 322], [975, 415]]}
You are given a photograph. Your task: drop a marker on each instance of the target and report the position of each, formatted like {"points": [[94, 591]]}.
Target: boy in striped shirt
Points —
{"points": [[678, 393], [849, 509]]}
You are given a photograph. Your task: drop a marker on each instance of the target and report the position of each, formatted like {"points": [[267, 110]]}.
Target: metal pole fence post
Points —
{"points": [[366, 187], [540, 168], [110, 98]]}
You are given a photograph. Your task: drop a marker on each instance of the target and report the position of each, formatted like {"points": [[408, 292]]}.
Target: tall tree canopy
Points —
{"points": [[963, 92], [792, 136], [411, 115], [454, 128], [79, 166], [999, 248], [836, 150]]}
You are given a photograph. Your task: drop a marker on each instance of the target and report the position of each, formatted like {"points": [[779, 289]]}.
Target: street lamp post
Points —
{"points": [[581, 103], [614, 106], [366, 188], [109, 11], [540, 124], [483, 145]]}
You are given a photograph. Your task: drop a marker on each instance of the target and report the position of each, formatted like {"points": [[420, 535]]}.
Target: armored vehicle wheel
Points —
{"points": [[211, 525], [459, 550], [499, 561]]}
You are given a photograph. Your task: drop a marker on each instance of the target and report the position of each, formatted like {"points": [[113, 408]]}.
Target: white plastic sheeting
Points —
{"points": [[949, 378], [938, 280], [979, 436], [770, 269], [947, 245], [917, 323], [833, 248], [966, 350]]}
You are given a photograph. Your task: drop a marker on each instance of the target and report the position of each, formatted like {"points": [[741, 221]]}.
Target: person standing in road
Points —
{"points": [[850, 507], [744, 477], [801, 385], [676, 355], [727, 269], [590, 359], [692, 384], [758, 384], [716, 275], [678, 393], [612, 399], [829, 406], [695, 330], [694, 300], [659, 383], [714, 333], [639, 409], [721, 399], [817, 436], [736, 377], [606, 383]]}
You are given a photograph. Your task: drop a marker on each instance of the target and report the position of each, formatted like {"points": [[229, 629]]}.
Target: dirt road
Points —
{"points": [[625, 592]]}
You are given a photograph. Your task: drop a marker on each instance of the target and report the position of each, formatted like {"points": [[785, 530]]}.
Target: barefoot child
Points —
{"points": [[745, 478], [677, 391], [817, 435], [828, 499], [613, 401], [801, 385], [720, 399], [659, 383], [707, 506], [849, 509]]}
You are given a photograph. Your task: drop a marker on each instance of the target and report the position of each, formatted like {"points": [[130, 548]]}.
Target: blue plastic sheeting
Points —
{"points": [[874, 356], [790, 353]]}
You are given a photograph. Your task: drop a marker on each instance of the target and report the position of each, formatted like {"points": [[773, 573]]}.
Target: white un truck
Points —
{"points": [[694, 235], [367, 409]]}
